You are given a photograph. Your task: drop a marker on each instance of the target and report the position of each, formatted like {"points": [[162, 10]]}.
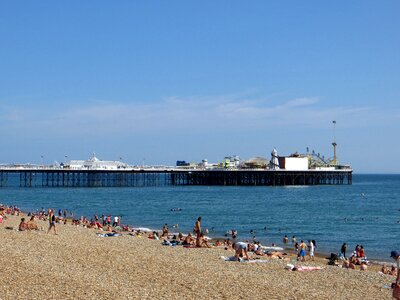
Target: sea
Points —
{"points": [[365, 213]]}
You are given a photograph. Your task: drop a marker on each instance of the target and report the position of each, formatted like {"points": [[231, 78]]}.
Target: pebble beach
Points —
{"points": [[77, 264]]}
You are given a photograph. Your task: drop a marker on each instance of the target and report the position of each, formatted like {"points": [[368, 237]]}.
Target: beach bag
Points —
{"points": [[396, 291]]}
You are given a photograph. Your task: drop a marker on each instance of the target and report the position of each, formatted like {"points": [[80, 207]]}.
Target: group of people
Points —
{"points": [[302, 248], [30, 225], [106, 222], [242, 250], [358, 252]]}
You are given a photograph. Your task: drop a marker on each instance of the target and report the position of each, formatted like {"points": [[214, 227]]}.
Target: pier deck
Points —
{"points": [[176, 177]]}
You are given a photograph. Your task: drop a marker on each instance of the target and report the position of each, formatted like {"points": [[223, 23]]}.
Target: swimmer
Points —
{"points": [[285, 239]]}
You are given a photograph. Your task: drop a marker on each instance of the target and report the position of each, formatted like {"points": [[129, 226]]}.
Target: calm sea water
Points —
{"points": [[366, 213]]}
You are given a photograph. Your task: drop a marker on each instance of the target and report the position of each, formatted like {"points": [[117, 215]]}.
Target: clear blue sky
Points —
{"points": [[187, 80]]}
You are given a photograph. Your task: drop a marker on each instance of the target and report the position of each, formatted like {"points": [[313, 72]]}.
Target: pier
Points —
{"points": [[53, 178]]}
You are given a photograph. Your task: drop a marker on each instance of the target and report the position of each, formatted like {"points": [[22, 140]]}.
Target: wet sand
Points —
{"points": [[77, 264]]}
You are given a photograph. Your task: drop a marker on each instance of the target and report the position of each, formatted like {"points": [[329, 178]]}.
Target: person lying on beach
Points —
{"points": [[153, 236], [276, 254], [32, 224], [23, 226], [241, 250], [303, 268], [96, 225]]}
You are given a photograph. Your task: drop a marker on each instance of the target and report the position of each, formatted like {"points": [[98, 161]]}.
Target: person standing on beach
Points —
{"points": [[303, 248], [52, 221], [311, 249], [357, 250], [396, 286], [197, 230], [343, 249]]}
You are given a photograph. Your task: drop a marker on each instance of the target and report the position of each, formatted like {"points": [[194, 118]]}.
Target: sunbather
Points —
{"points": [[189, 240], [23, 225], [32, 224]]}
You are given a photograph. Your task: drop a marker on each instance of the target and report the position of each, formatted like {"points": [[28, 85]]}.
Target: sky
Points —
{"points": [[161, 81]]}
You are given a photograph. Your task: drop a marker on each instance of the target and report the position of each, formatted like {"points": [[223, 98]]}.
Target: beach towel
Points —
{"points": [[111, 234], [266, 248], [232, 258], [168, 243], [305, 269]]}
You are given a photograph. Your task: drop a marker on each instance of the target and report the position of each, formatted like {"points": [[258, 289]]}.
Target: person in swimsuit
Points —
{"points": [[303, 248], [189, 240], [52, 221], [165, 230], [23, 225], [32, 224], [285, 239], [197, 230], [343, 249]]}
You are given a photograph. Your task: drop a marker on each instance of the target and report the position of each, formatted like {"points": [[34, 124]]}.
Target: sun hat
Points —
{"points": [[394, 254]]}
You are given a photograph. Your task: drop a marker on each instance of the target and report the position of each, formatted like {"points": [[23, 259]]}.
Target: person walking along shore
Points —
{"points": [[52, 221]]}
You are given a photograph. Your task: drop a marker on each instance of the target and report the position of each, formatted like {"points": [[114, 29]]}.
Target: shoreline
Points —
{"points": [[213, 238], [78, 264]]}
